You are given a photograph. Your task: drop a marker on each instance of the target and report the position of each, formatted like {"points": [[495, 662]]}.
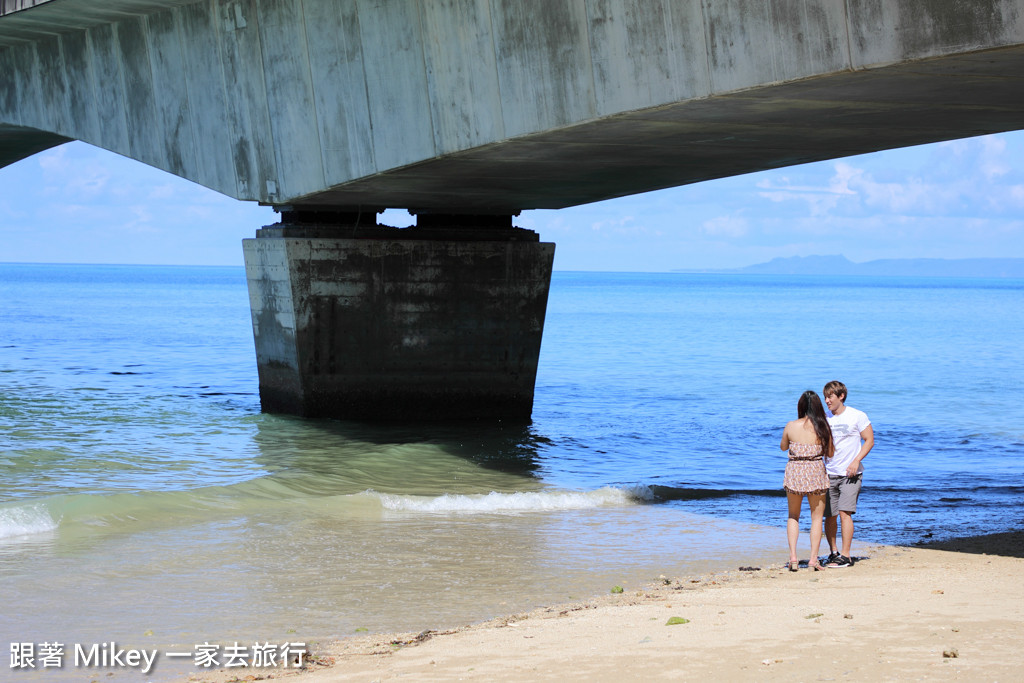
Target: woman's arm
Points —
{"points": [[785, 438]]}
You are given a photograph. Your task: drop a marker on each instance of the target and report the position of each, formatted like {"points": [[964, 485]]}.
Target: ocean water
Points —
{"points": [[147, 500]]}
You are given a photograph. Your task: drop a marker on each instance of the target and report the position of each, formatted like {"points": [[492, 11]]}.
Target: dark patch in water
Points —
{"points": [[676, 493]]}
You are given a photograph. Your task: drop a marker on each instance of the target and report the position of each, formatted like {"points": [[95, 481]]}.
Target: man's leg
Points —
{"points": [[849, 492], [831, 510], [830, 533], [846, 519]]}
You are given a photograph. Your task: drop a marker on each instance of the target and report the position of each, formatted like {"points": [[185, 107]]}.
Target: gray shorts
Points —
{"points": [[842, 495]]}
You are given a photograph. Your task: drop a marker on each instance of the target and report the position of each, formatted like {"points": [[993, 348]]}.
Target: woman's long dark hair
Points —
{"points": [[810, 406]]}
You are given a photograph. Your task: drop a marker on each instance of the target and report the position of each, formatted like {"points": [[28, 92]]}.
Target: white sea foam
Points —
{"points": [[25, 520], [516, 502]]}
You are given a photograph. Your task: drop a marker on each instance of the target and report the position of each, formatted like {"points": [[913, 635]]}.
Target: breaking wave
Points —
{"points": [[25, 520], [516, 502]]}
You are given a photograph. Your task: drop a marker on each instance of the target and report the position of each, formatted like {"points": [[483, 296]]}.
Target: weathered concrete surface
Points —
{"points": [[492, 106], [385, 328]]}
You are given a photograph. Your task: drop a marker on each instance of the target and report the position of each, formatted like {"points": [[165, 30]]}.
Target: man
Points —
{"points": [[853, 438]]}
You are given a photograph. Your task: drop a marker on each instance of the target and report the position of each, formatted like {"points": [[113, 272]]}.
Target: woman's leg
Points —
{"points": [[817, 504], [793, 523]]}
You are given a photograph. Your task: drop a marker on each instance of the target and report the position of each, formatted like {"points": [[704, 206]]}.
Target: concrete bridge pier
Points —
{"points": [[355, 320]]}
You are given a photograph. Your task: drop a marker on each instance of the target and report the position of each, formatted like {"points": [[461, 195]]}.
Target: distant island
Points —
{"points": [[917, 267]]}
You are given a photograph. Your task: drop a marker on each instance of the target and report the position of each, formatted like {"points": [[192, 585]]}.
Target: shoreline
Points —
{"points": [[949, 610]]}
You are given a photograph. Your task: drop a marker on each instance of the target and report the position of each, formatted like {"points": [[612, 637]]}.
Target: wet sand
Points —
{"points": [[949, 611]]}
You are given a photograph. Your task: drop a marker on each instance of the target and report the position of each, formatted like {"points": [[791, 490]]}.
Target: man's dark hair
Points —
{"points": [[835, 388]]}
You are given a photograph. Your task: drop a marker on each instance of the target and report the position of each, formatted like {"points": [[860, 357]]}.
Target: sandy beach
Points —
{"points": [[949, 611]]}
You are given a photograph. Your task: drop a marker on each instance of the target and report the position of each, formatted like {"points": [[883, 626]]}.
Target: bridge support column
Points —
{"points": [[378, 323]]}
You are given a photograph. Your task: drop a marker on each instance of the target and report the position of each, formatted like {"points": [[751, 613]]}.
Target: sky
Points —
{"points": [[960, 199]]}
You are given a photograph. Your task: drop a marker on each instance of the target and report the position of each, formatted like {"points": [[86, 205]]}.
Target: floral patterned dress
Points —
{"points": [[805, 471]]}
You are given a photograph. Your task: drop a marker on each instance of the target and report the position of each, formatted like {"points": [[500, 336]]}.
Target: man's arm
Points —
{"points": [[868, 435]]}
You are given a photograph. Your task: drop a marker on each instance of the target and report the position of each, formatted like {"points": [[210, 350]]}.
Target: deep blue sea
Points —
{"points": [[145, 496]]}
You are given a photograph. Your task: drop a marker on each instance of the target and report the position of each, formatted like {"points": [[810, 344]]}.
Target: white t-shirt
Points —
{"points": [[846, 429]]}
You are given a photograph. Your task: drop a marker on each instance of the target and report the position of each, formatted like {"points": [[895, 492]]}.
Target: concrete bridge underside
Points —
{"points": [[466, 112], [493, 106]]}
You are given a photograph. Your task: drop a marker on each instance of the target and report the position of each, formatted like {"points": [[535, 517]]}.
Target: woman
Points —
{"points": [[808, 439]]}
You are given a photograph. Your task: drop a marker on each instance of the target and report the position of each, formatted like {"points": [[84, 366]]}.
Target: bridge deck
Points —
{"points": [[769, 127], [492, 107]]}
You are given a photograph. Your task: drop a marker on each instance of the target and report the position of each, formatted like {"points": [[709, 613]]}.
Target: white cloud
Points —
{"points": [[993, 162], [956, 147], [725, 226], [852, 189], [165, 191], [619, 225], [913, 196], [53, 160], [820, 199], [90, 182]]}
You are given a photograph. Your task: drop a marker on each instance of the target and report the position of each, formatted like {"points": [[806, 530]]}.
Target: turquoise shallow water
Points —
{"points": [[144, 492]]}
